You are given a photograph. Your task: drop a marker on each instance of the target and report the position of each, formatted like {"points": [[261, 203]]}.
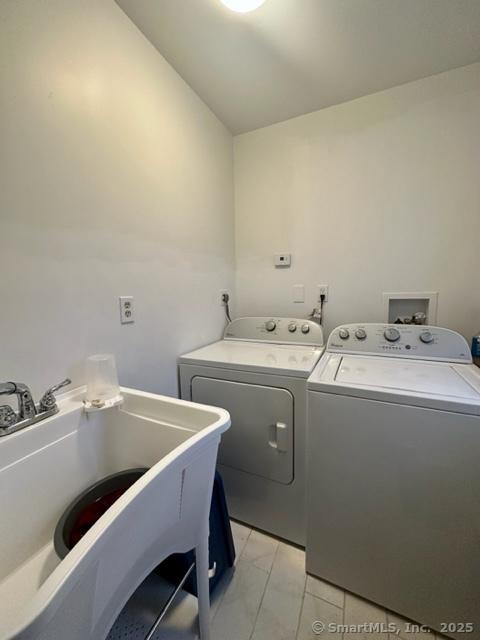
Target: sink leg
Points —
{"points": [[203, 588]]}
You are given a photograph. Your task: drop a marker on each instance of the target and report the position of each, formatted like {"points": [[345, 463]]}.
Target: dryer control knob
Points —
{"points": [[292, 327], [271, 325], [426, 337], [360, 334], [344, 334], [305, 328], [391, 334]]}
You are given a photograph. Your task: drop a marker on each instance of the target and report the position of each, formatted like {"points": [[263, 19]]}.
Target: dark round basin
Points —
{"points": [[89, 506]]}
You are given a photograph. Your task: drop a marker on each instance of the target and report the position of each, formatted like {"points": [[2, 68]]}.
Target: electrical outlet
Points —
{"points": [[323, 290], [224, 297], [126, 309]]}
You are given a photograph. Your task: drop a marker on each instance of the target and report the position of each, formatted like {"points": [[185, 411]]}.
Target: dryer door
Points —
{"points": [[260, 440]]}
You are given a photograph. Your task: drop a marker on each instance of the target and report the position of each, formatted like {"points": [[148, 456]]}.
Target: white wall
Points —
{"points": [[378, 194], [115, 179]]}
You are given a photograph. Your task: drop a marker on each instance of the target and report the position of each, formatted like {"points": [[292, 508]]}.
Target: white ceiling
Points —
{"points": [[291, 57]]}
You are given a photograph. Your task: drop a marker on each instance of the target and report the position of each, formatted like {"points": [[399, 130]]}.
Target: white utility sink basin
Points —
{"points": [[45, 466]]}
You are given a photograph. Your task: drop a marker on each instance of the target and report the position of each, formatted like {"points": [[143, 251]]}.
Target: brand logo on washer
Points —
{"points": [[337, 346]]}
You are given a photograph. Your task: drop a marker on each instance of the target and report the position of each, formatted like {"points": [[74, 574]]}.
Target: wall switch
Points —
{"points": [[126, 309], [323, 290], [283, 259], [298, 293]]}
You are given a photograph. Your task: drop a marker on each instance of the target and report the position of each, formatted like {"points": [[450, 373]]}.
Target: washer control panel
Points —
{"points": [[277, 330], [407, 341]]}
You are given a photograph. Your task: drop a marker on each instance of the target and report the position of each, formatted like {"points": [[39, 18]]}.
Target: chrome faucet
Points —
{"points": [[28, 413]]}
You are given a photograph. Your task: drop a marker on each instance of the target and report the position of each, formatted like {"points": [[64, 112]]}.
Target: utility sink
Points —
{"points": [[45, 466]]}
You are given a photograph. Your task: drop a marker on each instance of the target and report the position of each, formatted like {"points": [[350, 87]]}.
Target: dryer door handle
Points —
{"points": [[280, 434]]}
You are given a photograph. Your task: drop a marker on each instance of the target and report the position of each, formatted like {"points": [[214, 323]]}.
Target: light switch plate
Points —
{"points": [[298, 293]]}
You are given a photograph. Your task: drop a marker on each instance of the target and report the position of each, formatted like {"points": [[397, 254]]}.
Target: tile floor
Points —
{"points": [[269, 597]]}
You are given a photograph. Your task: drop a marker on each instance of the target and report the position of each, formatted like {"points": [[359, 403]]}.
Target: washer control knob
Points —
{"points": [[292, 327], [344, 334], [426, 337], [360, 334], [391, 334], [305, 328], [270, 325]]}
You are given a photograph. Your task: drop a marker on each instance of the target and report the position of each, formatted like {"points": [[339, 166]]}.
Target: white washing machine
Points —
{"points": [[259, 372], [394, 472]]}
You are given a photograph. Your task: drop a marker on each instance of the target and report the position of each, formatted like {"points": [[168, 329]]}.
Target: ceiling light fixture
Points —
{"points": [[242, 6]]}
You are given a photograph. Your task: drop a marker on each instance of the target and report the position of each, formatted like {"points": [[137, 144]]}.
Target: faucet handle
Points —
{"points": [[47, 401], [8, 417]]}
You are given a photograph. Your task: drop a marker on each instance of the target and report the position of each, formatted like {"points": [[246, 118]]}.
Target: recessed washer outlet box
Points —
{"points": [[404, 304]]}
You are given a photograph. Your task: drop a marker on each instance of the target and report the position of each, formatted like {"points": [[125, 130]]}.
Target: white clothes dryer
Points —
{"points": [[259, 372]]}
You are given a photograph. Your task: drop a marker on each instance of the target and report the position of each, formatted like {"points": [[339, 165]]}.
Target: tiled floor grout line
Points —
{"points": [[332, 604], [245, 544], [297, 630], [264, 591], [301, 613], [324, 600], [312, 595]]}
